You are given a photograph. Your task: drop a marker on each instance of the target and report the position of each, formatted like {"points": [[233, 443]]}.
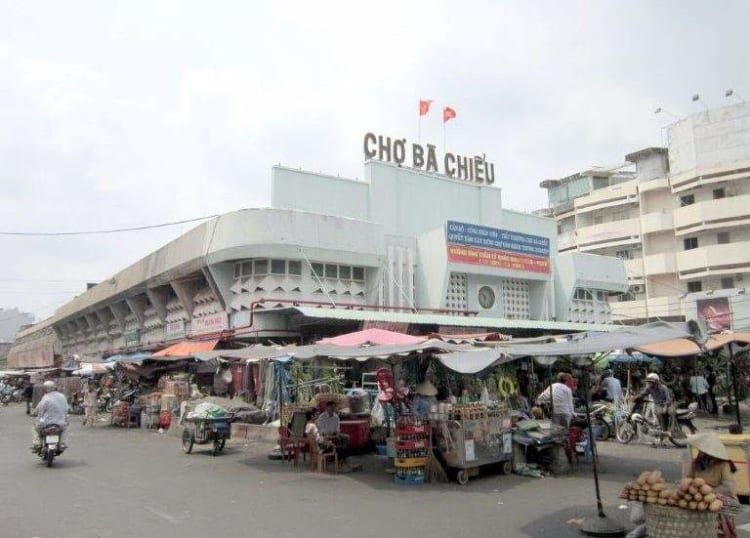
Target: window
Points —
{"points": [[690, 243], [583, 295], [695, 286], [625, 297], [345, 272], [358, 273], [332, 271], [719, 193], [688, 199], [727, 283], [624, 254], [722, 238], [317, 270], [278, 267], [237, 270], [261, 267], [295, 267], [247, 268]]}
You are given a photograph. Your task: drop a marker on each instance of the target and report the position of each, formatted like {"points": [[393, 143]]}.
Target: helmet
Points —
{"points": [[607, 373], [653, 378], [49, 386]]}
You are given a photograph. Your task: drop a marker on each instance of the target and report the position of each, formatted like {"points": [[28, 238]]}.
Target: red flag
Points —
{"points": [[448, 114], [424, 106]]}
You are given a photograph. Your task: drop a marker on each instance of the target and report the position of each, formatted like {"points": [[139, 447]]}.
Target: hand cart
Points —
{"points": [[202, 431], [467, 445]]}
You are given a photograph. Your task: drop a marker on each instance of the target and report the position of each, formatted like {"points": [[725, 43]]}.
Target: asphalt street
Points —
{"points": [[124, 483]]}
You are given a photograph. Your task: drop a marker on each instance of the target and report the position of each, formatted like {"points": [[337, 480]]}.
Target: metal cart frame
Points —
{"points": [[202, 431], [469, 444]]}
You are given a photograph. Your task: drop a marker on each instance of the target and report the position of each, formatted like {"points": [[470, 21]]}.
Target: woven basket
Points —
{"points": [[673, 522]]}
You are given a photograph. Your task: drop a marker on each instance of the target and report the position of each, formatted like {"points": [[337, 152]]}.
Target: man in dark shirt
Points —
{"points": [[28, 394], [662, 397]]}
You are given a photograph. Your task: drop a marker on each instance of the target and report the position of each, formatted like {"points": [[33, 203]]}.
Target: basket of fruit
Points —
{"points": [[688, 509]]}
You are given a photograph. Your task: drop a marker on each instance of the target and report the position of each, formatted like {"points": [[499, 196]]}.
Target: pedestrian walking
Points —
{"points": [[699, 388], [89, 405]]}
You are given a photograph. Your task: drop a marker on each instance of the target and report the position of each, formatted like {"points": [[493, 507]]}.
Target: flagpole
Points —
{"points": [[419, 129], [445, 149]]}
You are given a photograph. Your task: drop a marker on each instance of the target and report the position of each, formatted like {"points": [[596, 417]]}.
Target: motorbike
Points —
{"points": [[601, 418], [51, 446], [647, 424]]}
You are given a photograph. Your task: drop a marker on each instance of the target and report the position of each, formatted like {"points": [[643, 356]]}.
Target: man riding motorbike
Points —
{"points": [[51, 409]]}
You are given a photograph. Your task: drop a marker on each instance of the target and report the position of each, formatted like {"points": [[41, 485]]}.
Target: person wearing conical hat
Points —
{"points": [[424, 399], [712, 464]]}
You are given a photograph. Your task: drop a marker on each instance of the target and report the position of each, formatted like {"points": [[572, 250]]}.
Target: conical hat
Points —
{"points": [[425, 388], [709, 443]]}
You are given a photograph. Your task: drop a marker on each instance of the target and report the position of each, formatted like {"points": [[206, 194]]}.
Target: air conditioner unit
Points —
{"points": [[638, 288]]}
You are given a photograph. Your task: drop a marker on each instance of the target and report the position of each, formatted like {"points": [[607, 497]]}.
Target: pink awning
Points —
{"points": [[681, 347], [374, 337]]}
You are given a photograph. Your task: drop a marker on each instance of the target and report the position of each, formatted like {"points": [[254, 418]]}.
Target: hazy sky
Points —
{"points": [[118, 114]]}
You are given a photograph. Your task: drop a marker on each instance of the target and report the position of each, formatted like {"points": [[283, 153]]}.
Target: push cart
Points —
{"points": [[205, 430], [469, 444]]}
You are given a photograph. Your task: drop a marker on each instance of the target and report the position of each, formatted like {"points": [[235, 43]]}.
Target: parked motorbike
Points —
{"points": [[51, 446], [601, 418], [647, 424]]}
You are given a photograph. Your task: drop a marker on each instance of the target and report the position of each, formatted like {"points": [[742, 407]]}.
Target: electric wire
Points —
{"points": [[110, 231]]}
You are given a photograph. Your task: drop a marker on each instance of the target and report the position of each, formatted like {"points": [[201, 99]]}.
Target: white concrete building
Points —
{"points": [[680, 221], [11, 321], [401, 246]]}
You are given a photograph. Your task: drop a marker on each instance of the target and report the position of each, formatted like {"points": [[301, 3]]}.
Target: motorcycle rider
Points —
{"points": [[662, 397], [51, 409]]}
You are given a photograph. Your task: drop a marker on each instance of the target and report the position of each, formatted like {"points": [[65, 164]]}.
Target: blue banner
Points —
{"points": [[473, 235]]}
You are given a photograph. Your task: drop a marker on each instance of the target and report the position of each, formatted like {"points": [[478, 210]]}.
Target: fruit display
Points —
{"points": [[689, 493]]}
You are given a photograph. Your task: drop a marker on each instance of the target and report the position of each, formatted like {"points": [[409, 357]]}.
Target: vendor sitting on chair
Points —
{"points": [[424, 399], [329, 428]]}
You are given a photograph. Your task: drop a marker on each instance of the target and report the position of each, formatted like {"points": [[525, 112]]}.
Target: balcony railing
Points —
{"points": [[623, 193], [718, 259], [660, 264], [609, 234], [711, 214], [656, 222]]}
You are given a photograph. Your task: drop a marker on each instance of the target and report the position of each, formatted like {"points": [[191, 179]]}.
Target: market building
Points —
{"points": [[679, 221], [428, 246]]}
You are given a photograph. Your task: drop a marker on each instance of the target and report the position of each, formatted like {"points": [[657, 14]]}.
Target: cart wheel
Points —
{"points": [[462, 477], [218, 445], [507, 467], [187, 441]]}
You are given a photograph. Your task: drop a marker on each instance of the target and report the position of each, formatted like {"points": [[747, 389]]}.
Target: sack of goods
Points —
{"points": [[689, 494], [207, 410]]}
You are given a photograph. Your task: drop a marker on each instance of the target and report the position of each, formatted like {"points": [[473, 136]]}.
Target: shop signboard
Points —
{"points": [[495, 247], [131, 338], [716, 312], [209, 324], [174, 329], [475, 169]]}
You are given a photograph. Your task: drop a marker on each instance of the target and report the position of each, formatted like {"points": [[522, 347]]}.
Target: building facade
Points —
{"points": [[679, 221], [12, 320], [401, 246]]}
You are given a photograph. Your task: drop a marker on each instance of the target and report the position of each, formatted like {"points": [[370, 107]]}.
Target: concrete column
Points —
{"points": [[137, 305], [185, 291], [220, 278], [119, 311], [158, 298]]}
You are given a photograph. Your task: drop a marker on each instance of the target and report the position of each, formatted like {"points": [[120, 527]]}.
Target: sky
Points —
{"points": [[122, 114]]}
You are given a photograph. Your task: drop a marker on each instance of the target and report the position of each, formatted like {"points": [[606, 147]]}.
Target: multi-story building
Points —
{"points": [[404, 246], [679, 221], [12, 320]]}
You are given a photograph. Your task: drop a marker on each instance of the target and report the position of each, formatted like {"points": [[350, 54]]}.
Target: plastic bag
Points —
{"points": [[377, 415]]}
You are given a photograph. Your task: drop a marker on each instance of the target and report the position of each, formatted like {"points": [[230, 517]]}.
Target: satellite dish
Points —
{"points": [[698, 331]]}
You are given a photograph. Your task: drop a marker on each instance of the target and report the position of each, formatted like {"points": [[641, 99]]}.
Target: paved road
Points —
{"points": [[127, 483]]}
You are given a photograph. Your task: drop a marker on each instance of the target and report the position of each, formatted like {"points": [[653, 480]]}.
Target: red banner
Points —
{"points": [[497, 258]]}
